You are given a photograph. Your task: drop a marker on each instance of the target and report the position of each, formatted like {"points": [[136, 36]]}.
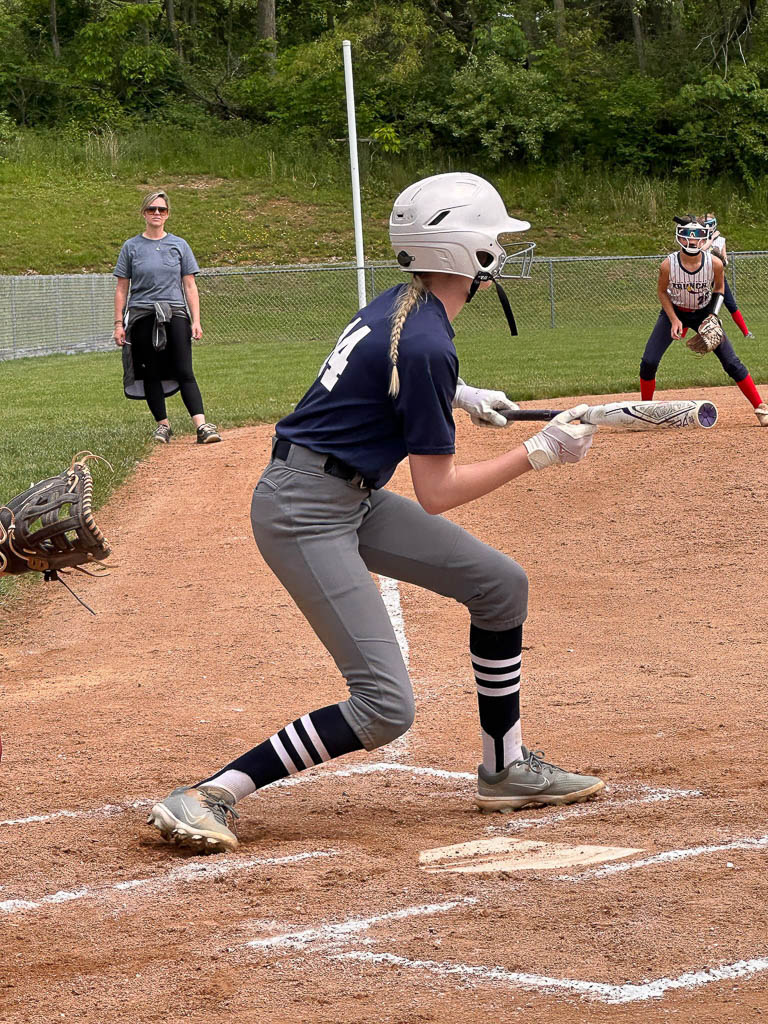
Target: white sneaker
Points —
{"points": [[762, 414]]}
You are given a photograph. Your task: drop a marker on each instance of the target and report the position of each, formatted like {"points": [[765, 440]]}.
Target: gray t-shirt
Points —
{"points": [[155, 267]]}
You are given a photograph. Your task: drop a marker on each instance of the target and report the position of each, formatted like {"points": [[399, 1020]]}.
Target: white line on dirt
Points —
{"points": [[651, 796], [665, 858], [198, 870], [383, 767], [98, 812], [341, 930], [378, 767], [627, 993], [390, 593]]}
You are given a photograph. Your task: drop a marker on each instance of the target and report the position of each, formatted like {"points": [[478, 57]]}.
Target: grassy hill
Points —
{"points": [[68, 200]]}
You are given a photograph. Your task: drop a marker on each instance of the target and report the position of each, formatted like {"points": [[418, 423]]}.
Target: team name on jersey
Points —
{"points": [[690, 290]]}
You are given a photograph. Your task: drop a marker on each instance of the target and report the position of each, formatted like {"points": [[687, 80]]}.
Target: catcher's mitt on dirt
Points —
{"points": [[709, 336], [50, 526]]}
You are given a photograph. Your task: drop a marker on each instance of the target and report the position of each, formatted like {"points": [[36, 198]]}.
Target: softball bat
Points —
{"points": [[634, 415]]}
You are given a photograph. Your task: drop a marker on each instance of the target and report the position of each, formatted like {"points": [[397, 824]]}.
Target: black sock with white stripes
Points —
{"points": [[496, 658], [310, 740]]}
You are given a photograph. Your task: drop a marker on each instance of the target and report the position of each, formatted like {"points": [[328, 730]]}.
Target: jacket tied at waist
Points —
{"points": [[135, 358]]}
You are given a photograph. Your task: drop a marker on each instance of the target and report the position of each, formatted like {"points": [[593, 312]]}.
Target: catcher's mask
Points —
{"points": [[450, 224], [690, 237]]}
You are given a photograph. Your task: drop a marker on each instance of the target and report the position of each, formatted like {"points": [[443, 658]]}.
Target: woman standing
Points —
{"points": [[157, 314], [324, 521]]}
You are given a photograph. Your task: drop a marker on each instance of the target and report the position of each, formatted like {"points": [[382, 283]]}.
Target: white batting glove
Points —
{"points": [[482, 405], [561, 440]]}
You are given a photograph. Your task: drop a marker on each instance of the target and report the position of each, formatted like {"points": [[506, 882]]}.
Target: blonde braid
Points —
{"points": [[408, 299]]}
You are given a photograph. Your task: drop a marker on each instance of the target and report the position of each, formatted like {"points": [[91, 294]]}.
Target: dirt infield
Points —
{"points": [[644, 662]]}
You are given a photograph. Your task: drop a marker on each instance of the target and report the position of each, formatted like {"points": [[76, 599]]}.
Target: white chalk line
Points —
{"points": [[108, 810], [199, 870], [667, 857], [382, 767], [341, 930], [606, 993], [390, 593], [378, 767], [596, 807], [292, 780]]}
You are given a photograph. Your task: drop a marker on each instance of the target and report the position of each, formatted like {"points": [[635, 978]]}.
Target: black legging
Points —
{"points": [[177, 358]]}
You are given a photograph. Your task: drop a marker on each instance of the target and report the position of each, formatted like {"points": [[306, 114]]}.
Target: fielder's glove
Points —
{"points": [[561, 440], [50, 526], [482, 405], [709, 336]]}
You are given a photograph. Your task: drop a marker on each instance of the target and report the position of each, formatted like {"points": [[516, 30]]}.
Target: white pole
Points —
{"points": [[356, 209]]}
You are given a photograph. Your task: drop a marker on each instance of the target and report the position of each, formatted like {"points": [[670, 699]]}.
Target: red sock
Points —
{"points": [[738, 319], [647, 387], [748, 389]]}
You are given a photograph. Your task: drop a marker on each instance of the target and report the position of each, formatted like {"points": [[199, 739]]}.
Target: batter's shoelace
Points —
{"points": [[220, 809], [535, 761]]}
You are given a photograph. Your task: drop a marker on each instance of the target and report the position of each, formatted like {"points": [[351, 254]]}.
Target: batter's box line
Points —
{"points": [[595, 990], [650, 795], [585, 810], [340, 931], [196, 871], [667, 857]]}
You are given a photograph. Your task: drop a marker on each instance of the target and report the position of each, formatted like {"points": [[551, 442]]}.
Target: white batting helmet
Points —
{"points": [[450, 223]]}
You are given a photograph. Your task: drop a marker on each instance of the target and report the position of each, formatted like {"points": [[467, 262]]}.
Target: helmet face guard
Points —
{"points": [[691, 237], [517, 262]]}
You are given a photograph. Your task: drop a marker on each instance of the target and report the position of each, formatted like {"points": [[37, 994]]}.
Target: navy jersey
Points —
{"points": [[348, 411]]}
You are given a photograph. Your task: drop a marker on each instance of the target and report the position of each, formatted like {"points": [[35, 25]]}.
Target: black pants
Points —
{"points": [[661, 339], [175, 359]]}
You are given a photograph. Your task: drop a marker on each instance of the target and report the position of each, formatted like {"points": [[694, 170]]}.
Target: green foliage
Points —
{"points": [[655, 86], [505, 110]]}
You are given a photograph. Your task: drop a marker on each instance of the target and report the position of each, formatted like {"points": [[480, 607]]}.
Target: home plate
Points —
{"points": [[505, 854]]}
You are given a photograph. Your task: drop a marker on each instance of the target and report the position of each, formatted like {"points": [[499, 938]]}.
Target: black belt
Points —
{"points": [[333, 466]]}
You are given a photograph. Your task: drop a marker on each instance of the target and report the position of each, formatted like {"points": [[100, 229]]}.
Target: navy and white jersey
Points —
{"points": [[690, 289], [348, 411], [718, 244]]}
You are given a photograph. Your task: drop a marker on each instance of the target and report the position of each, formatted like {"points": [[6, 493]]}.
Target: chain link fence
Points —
{"points": [[71, 313]]}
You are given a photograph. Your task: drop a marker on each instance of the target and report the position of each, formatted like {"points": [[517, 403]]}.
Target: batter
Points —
{"points": [[324, 520]]}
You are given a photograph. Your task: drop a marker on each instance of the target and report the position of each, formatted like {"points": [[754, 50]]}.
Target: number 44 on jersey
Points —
{"points": [[336, 362]]}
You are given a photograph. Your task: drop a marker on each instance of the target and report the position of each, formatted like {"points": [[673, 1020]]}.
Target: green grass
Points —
{"points": [[67, 201], [258, 198], [57, 405]]}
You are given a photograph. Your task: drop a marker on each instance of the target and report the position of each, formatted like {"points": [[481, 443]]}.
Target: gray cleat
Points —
{"points": [[532, 781], [197, 818]]}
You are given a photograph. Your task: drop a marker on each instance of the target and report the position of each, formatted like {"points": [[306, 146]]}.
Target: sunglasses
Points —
{"points": [[156, 209]]}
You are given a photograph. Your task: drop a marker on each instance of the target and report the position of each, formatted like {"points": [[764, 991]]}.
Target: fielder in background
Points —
{"points": [[716, 244], [324, 521], [157, 314], [691, 287]]}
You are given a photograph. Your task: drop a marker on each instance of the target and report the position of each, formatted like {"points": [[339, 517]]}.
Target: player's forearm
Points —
{"points": [[666, 305], [447, 485]]}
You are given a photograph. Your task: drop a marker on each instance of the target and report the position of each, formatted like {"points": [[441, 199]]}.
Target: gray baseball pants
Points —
{"points": [[323, 537]]}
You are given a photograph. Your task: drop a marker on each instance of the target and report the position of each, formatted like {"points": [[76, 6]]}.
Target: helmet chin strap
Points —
{"points": [[480, 279]]}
